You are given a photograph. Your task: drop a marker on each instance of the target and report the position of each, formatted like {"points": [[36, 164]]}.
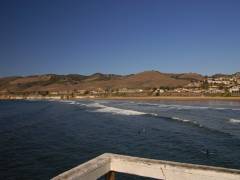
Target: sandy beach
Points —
{"points": [[172, 98], [154, 98]]}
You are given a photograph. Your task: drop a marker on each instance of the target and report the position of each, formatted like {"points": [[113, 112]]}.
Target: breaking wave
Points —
{"points": [[234, 120], [114, 110], [98, 107], [179, 119], [187, 121], [163, 106], [185, 107], [68, 101], [120, 111]]}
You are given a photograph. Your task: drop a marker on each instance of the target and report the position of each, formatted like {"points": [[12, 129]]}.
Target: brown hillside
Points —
{"points": [[52, 82]]}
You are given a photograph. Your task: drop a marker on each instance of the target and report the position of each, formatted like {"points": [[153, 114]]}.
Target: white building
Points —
{"points": [[235, 89], [216, 91]]}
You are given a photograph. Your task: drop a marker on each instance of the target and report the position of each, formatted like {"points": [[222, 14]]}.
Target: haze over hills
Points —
{"points": [[53, 82]]}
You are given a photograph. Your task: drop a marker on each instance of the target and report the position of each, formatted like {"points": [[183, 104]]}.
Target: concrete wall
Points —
{"points": [[165, 170]]}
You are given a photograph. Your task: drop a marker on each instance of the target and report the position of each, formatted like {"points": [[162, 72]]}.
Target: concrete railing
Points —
{"points": [[107, 164]]}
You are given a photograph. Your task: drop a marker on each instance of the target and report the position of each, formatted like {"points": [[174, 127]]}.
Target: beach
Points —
{"points": [[181, 98]]}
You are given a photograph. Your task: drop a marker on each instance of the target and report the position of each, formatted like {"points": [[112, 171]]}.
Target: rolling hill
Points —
{"points": [[53, 82]]}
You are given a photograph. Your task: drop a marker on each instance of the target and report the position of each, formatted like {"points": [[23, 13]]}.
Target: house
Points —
{"points": [[157, 92], [126, 90], [235, 90], [194, 85], [214, 90], [53, 93], [80, 91]]}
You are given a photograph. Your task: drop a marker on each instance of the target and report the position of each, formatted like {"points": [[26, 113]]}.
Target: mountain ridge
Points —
{"points": [[56, 82]]}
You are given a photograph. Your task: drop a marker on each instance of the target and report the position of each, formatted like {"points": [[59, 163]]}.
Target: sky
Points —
{"points": [[119, 36]]}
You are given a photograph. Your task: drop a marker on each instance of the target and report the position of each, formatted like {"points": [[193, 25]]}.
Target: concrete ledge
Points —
{"points": [[158, 169], [90, 170]]}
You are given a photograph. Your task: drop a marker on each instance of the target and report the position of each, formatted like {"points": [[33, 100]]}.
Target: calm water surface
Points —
{"points": [[40, 139]]}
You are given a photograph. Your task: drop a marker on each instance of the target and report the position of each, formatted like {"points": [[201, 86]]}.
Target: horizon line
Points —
{"points": [[124, 74]]}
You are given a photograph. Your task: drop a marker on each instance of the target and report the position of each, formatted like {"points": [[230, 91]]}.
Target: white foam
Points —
{"points": [[70, 102], [180, 119], [113, 110], [179, 107], [174, 106], [185, 107], [148, 104], [120, 111], [234, 120], [154, 114], [95, 105], [73, 102], [187, 121]]}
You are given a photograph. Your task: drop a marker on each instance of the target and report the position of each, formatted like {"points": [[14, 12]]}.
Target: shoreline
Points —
{"points": [[174, 98], [154, 98]]}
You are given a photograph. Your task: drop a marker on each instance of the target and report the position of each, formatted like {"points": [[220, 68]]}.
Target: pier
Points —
{"points": [[107, 165]]}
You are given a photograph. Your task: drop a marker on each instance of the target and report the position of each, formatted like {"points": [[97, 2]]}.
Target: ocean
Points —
{"points": [[40, 139]]}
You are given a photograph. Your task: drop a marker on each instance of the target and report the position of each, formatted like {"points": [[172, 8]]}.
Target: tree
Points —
{"points": [[205, 85]]}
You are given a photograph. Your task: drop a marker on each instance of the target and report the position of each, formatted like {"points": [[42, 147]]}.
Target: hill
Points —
{"points": [[53, 82]]}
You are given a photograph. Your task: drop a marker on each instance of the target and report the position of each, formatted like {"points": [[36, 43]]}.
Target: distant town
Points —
{"points": [[219, 85]]}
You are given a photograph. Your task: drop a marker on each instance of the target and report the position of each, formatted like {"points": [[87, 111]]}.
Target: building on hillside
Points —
{"points": [[157, 92], [235, 90], [126, 90], [238, 81], [194, 85], [80, 92], [215, 90], [221, 80], [53, 93]]}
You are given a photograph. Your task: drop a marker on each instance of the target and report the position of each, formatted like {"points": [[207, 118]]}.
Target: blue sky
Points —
{"points": [[119, 36]]}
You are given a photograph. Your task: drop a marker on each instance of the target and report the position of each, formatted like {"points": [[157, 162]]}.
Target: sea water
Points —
{"points": [[40, 139]]}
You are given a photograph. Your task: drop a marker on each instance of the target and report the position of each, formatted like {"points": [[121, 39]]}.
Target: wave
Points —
{"points": [[120, 111], [179, 119], [114, 110], [146, 104], [98, 107], [107, 109], [179, 107], [172, 106], [102, 108], [73, 102], [95, 105], [68, 101], [187, 121], [197, 124], [164, 106], [234, 120], [185, 107]]}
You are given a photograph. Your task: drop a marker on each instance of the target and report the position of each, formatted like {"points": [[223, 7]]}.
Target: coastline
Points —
{"points": [[153, 98], [174, 98]]}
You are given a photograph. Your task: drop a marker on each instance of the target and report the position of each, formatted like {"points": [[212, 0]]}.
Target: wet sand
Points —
{"points": [[172, 98]]}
